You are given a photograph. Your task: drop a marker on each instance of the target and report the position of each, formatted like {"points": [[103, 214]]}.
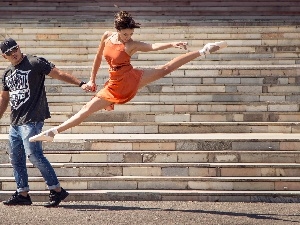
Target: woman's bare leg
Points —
{"points": [[94, 105], [152, 75]]}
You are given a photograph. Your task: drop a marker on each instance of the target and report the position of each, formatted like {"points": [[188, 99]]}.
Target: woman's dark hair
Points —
{"points": [[123, 20]]}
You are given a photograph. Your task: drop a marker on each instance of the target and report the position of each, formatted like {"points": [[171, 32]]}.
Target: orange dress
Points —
{"points": [[124, 80]]}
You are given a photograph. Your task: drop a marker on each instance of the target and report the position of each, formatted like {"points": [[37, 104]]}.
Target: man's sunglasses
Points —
{"points": [[12, 51]]}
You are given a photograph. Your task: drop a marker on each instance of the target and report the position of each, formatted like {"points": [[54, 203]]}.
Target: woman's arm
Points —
{"points": [[98, 59], [144, 47]]}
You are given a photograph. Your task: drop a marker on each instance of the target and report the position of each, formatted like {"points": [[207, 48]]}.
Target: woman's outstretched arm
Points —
{"points": [[145, 47]]}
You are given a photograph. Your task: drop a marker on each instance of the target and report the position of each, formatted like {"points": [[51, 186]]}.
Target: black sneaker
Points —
{"points": [[18, 199], [56, 197]]}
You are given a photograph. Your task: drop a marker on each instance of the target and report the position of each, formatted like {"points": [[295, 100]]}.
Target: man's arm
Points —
{"points": [[63, 76], [4, 99], [66, 77]]}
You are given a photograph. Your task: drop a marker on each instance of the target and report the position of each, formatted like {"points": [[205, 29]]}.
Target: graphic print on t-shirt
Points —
{"points": [[18, 86]]}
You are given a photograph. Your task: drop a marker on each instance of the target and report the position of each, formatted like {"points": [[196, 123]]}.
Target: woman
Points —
{"points": [[124, 81]]}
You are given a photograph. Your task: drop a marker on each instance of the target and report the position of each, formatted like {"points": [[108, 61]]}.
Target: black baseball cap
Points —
{"points": [[7, 45]]}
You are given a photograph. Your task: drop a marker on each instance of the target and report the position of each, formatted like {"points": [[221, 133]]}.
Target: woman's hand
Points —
{"points": [[89, 87], [180, 45], [92, 86]]}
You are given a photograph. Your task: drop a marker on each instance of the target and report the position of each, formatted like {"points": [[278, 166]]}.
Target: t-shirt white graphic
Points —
{"points": [[19, 86]]}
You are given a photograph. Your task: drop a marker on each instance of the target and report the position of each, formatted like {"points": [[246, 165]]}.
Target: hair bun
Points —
{"points": [[123, 20]]}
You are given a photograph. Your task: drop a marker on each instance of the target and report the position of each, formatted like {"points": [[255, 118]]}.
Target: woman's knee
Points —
{"points": [[94, 105], [165, 70]]}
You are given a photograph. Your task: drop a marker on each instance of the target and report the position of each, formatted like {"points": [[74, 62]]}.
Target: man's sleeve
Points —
{"points": [[45, 65]]}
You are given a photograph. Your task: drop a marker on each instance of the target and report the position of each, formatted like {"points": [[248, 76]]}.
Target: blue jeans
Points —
{"points": [[20, 148]]}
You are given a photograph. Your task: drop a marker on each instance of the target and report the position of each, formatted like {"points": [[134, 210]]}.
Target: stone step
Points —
{"points": [[73, 35], [193, 107], [152, 9], [239, 32], [172, 156], [199, 169], [157, 18], [211, 60], [157, 58], [171, 142], [249, 39], [73, 46], [275, 98], [176, 127], [168, 195], [231, 88], [164, 117], [135, 108], [196, 84], [204, 74], [212, 85], [183, 117], [157, 21], [161, 58], [164, 183], [157, 156]]}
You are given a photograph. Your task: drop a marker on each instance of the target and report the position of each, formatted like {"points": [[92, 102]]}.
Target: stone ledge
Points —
{"points": [[175, 165], [169, 195], [75, 138]]}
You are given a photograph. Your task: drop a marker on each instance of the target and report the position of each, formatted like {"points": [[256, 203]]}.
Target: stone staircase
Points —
{"points": [[221, 128]]}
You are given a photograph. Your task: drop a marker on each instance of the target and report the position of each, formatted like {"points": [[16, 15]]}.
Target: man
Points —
{"points": [[23, 86]]}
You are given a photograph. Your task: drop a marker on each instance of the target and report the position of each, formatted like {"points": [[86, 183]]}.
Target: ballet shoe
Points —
{"points": [[213, 47], [44, 136]]}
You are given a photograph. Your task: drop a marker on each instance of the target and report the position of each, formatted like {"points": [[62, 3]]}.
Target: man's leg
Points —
{"points": [[35, 155], [18, 161]]}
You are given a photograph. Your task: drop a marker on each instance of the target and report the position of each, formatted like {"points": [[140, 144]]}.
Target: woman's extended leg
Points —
{"points": [[155, 74]]}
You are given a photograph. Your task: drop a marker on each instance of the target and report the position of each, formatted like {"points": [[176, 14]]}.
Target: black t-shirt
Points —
{"points": [[25, 83]]}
